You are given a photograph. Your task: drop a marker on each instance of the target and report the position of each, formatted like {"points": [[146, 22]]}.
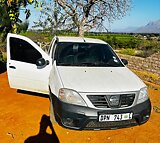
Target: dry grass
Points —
{"points": [[152, 80]]}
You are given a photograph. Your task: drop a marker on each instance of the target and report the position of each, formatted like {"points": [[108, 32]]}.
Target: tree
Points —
{"points": [[9, 13], [90, 14], [51, 18], [5, 23], [23, 27]]}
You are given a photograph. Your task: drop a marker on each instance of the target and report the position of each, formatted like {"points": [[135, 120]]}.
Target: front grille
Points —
{"points": [[98, 101], [102, 101], [110, 125]]}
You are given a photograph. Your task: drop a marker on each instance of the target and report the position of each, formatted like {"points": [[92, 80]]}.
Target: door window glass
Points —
{"points": [[23, 51]]}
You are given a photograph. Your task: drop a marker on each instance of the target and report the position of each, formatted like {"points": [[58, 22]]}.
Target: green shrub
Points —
{"points": [[4, 56], [1, 56], [128, 51], [145, 53], [118, 41]]}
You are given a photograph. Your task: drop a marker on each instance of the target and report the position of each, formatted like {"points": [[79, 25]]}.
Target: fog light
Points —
{"points": [[146, 117], [68, 122]]}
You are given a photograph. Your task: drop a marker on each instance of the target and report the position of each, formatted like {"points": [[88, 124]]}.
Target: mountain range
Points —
{"points": [[151, 27]]}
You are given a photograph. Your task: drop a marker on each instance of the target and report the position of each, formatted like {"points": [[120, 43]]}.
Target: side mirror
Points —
{"points": [[125, 62], [41, 63]]}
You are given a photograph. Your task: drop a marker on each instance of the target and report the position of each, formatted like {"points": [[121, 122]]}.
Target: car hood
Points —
{"points": [[99, 79]]}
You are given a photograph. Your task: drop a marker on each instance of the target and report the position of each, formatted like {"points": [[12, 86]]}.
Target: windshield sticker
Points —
{"points": [[115, 60]]}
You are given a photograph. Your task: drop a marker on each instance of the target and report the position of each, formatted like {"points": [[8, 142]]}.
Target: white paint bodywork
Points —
{"points": [[99, 79], [79, 39]]}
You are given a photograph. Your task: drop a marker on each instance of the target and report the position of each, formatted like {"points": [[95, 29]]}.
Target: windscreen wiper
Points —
{"points": [[64, 64], [87, 64]]}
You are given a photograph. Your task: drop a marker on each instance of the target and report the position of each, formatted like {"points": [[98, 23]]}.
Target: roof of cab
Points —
{"points": [[79, 39]]}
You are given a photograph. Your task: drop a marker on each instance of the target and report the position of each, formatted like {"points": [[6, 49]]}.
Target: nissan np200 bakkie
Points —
{"points": [[89, 86]]}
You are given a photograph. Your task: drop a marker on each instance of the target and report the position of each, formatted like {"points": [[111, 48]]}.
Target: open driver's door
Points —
{"points": [[22, 58]]}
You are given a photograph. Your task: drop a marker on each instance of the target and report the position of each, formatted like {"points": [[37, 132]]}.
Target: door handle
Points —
{"points": [[12, 67]]}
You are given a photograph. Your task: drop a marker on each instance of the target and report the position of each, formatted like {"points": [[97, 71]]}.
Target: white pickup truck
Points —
{"points": [[89, 86]]}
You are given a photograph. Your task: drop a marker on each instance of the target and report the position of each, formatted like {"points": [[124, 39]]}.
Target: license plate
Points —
{"points": [[115, 117]]}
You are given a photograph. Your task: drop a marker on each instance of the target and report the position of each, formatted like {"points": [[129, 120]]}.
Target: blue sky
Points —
{"points": [[141, 13]]}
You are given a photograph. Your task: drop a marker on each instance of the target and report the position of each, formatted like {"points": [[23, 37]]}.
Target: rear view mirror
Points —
{"points": [[125, 62], [41, 63]]}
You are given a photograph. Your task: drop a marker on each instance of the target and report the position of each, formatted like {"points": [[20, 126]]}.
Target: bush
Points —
{"points": [[118, 41], [128, 51], [148, 49], [4, 56], [145, 53]]}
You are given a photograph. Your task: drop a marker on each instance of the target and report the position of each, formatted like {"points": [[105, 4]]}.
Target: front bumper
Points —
{"points": [[85, 118]]}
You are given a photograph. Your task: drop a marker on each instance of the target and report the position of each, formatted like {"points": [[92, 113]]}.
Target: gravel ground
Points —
{"points": [[24, 118]]}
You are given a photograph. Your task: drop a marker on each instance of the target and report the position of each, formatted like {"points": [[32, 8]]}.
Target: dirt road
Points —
{"points": [[24, 118]]}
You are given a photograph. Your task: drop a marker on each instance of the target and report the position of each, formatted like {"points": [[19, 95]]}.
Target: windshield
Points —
{"points": [[86, 54]]}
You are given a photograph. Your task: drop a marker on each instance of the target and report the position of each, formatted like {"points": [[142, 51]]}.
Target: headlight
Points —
{"points": [[71, 96], [143, 95]]}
